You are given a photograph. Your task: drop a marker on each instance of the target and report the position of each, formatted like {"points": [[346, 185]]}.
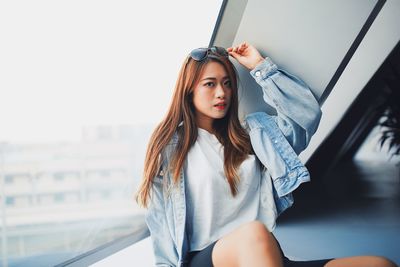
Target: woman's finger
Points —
{"points": [[243, 47], [234, 54], [239, 49]]}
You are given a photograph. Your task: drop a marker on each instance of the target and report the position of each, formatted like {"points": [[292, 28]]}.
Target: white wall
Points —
{"points": [[383, 35]]}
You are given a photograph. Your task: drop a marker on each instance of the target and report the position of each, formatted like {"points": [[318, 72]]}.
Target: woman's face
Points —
{"points": [[212, 95]]}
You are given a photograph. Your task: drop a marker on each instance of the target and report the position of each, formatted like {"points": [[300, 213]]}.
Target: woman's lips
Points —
{"points": [[220, 107]]}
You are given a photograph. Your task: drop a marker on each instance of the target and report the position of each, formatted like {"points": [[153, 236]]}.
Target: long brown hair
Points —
{"points": [[228, 130]]}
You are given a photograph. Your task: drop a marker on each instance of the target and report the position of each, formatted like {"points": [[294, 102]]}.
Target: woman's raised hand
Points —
{"points": [[246, 54]]}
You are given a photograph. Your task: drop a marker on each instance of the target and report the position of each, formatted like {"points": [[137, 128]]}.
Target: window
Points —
{"points": [[58, 176], [84, 74], [9, 179], [59, 198], [10, 201]]}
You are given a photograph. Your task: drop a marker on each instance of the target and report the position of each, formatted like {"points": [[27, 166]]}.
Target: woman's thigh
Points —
{"points": [[225, 251], [229, 246], [246, 239], [203, 258]]}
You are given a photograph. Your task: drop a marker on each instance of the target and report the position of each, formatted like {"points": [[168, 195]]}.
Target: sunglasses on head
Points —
{"points": [[200, 54]]}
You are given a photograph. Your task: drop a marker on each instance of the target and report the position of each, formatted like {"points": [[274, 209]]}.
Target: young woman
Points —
{"points": [[214, 185]]}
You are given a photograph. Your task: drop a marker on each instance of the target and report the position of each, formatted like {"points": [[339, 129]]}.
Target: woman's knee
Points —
{"points": [[364, 261], [241, 242], [382, 262], [255, 232]]}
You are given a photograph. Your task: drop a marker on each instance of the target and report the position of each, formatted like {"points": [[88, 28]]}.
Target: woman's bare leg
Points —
{"points": [[251, 244], [361, 261]]}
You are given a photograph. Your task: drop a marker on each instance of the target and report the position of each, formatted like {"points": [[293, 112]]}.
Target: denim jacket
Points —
{"points": [[277, 141]]}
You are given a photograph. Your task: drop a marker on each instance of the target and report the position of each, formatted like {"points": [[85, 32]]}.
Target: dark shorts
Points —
{"points": [[202, 258]]}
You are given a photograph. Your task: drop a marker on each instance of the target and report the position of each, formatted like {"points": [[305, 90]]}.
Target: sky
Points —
{"points": [[69, 64]]}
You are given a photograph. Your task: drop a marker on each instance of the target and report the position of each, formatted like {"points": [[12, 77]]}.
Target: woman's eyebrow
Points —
{"points": [[213, 78]]}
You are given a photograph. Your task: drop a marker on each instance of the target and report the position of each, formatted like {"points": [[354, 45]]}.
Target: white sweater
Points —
{"points": [[208, 192]]}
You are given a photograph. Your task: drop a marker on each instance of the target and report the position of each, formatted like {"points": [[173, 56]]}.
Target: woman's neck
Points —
{"points": [[205, 124], [209, 131]]}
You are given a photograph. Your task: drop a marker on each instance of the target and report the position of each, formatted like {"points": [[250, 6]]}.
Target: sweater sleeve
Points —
{"points": [[298, 111]]}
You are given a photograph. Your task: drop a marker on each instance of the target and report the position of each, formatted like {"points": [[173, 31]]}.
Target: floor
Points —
{"points": [[356, 212]]}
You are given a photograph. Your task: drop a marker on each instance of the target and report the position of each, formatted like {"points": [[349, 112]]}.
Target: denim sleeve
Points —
{"points": [[163, 246], [298, 112]]}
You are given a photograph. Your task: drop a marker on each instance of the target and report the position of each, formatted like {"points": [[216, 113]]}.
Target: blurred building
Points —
{"points": [[52, 194]]}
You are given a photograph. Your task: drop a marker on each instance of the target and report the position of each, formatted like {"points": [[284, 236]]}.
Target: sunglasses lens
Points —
{"points": [[199, 54], [220, 51]]}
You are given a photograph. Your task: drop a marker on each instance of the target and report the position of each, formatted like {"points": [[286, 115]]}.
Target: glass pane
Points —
{"points": [[82, 85]]}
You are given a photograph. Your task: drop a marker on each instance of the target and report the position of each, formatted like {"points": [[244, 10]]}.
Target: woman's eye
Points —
{"points": [[209, 84], [228, 83]]}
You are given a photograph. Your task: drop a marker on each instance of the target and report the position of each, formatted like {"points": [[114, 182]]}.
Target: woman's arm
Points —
{"points": [[298, 112], [163, 245]]}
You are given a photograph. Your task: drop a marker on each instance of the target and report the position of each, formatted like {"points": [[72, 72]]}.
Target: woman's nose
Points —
{"points": [[220, 91]]}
